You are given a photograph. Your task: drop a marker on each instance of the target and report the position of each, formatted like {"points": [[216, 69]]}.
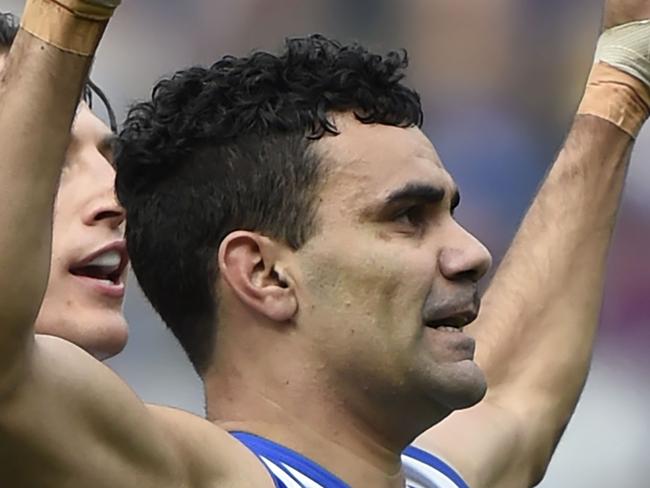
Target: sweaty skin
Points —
{"points": [[280, 359]]}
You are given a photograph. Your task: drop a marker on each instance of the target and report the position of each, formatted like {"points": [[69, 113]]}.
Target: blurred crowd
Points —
{"points": [[500, 81]]}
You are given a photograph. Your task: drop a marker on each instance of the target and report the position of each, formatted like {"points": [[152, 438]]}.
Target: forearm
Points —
{"points": [[539, 316], [546, 295], [542, 309], [540, 313], [536, 329], [39, 92]]}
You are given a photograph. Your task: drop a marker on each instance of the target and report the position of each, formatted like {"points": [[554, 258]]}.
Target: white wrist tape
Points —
{"points": [[618, 88], [627, 47]]}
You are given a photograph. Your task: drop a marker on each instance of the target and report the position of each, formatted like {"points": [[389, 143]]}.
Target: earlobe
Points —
{"points": [[248, 265]]}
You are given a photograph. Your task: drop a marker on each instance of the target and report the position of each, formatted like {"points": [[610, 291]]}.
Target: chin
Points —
{"points": [[104, 337], [101, 333], [457, 386], [468, 387]]}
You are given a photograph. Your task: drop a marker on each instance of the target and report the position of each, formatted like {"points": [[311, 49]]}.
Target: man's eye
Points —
{"points": [[412, 216]]}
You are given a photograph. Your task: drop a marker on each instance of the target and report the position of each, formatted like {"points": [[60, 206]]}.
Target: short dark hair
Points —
{"points": [[9, 30], [229, 147]]}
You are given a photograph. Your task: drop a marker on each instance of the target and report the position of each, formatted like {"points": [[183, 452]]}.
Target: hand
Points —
{"points": [[619, 12]]}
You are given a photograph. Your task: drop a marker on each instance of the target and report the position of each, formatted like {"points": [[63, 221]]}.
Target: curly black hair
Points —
{"points": [[230, 147], [8, 32]]}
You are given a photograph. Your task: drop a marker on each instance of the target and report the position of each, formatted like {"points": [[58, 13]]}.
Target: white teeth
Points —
{"points": [[110, 259], [445, 328]]}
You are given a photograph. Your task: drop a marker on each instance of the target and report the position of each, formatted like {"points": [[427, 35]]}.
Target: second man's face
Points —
{"points": [[85, 293], [389, 279]]}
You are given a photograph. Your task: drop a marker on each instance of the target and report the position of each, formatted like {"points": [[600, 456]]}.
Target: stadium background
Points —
{"points": [[500, 81]]}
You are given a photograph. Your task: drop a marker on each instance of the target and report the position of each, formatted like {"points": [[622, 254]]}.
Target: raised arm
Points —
{"points": [[536, 329], [40, 82], [65, 419]]}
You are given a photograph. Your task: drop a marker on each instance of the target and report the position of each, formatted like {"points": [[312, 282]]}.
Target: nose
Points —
{"points": [[465, 258], [106, 211]]}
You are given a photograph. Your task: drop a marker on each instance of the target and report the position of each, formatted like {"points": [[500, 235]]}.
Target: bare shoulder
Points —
{"points": [[211, 456], [76, 420]]}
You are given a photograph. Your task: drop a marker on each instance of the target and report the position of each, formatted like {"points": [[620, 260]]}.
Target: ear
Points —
{"points": [[249, 264]]}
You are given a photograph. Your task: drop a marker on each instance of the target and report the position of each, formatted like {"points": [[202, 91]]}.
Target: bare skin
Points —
{"points": [[557, 261], [323, 348], [400, 261], [529, 312], [26, 237], [86, 219], [80, 306]]}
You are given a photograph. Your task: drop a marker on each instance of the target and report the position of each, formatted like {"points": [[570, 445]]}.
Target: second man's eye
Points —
{"points": [[413, 216]]}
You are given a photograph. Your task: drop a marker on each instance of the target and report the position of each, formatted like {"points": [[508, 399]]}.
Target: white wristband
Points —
{"points": [[627, 47]]}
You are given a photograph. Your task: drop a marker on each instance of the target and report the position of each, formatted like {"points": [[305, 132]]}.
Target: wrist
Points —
{"points": [[617, 97], [618, 88], [67, 25], [627, 48]]}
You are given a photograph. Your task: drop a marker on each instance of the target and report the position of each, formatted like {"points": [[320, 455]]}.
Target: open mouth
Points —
{"points": [[106, 266], [446, 328], [452, 323]]}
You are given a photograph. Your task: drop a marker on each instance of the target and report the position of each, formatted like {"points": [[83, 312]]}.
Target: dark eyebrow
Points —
{"points": [[422, 193], [419, 192], [413, 193]]}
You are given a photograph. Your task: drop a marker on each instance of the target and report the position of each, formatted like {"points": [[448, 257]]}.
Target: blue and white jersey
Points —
{"points": [[292, 470]]}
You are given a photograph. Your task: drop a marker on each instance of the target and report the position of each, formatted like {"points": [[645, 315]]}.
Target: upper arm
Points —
{"points": [[71, 417], [491, 444], [76, 421]]}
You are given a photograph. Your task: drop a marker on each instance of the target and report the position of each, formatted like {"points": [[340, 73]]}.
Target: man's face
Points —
{"points": [[83, 301], [388, 269]]}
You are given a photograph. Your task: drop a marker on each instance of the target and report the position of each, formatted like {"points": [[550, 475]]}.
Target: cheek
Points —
{"points": [[57, 307], [369, 283], [62, 204], [67, 227], [60, 239], [60, 293]]}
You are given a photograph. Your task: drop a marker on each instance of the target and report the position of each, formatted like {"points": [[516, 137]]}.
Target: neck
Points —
{"points": [[291, 406]]}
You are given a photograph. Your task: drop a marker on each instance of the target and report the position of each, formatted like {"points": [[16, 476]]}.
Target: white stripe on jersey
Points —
{"points": [[421, 475], [417, 473], [280, 474], [306, 482]]}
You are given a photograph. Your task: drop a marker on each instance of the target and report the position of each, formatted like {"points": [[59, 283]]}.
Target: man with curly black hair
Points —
{"points": [[294, 227]]}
